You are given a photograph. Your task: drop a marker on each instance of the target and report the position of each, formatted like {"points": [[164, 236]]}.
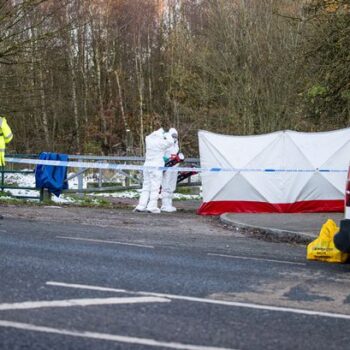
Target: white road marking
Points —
{"points": [[3, 231], [80, 302], [258, 259], [104, 336], [104, 241], [208, 301]]}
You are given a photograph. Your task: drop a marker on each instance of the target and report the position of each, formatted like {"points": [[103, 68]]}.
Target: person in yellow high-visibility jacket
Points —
{"points": [[5, 137]]}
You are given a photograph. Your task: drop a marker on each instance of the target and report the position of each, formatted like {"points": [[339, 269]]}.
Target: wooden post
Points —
{"points": [[45, 195], [2, 178]]}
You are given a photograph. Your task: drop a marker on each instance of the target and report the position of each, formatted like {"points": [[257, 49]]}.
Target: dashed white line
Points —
{"points": [[108, 337], [258, 259], [80, 302], [208, 301], [105, 241]]}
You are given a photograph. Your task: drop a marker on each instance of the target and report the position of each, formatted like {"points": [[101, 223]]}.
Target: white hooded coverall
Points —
{"points": [[156, 144], [170, 177]]}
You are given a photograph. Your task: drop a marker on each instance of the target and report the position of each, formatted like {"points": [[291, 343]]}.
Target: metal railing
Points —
{"points": [[128, 179], [12, 169]]}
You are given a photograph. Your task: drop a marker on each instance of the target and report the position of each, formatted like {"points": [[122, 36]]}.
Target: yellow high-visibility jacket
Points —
{"points": [[5, 137]]}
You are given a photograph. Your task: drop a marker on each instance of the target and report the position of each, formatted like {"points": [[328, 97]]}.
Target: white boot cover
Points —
{"points": [[167, 204]]}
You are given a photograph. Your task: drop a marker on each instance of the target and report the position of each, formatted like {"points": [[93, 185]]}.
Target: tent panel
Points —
{"points": [[236, 187], [319, 147], [212, 183], [338, 180], [295, 186], [212, 154], [279, 186], [318, 188], [220, 207], [230, 148]]}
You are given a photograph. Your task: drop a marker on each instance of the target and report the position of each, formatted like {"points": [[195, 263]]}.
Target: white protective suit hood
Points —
{"points": [[173, 131], [156, 145], [174, 149]]}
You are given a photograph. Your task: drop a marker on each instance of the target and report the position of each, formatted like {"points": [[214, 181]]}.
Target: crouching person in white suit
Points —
{"points": [[156, 145], [170, 177]]}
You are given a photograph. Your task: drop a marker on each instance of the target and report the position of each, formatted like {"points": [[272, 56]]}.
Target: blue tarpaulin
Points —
{"points": [[52, 177]]}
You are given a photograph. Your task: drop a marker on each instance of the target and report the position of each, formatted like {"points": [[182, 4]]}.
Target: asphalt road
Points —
{"points": [[75, 286]]}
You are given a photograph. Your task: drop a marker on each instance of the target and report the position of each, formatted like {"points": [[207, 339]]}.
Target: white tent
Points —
{"points": [[285, 172]]}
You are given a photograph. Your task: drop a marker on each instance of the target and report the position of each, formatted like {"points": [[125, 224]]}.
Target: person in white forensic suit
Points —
{"points": [[156, 145], [170, 177]]}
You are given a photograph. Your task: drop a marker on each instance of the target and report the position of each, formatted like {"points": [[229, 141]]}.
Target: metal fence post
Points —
{"points": [[45, 195], [129, 146], [2, 178], [99, 178], [80, 181]]}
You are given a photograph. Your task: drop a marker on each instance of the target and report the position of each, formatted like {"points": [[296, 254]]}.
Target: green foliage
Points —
{"points": [[194, 190], [104, 184], [88, 201], [326, 58], [5, 194], [346, 95], [317, 90], [183, 190], [92, 147]]}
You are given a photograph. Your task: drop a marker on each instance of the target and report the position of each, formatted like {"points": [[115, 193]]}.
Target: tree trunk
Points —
{"points": [[71, 65], [121, 104], [44, 106], [140, 86]]}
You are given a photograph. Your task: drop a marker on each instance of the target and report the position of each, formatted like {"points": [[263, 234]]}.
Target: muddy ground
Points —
{"points": [[120, 212]]}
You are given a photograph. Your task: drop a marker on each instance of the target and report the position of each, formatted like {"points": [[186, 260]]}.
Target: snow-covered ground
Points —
{"points": [[28, 180]]}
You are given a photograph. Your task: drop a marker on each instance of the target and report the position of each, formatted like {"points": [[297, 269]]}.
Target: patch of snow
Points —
{"points": [[64, 199], [118, 194]]}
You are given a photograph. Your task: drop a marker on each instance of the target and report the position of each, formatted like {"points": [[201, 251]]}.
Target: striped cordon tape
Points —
{"points": [[99, 165]]}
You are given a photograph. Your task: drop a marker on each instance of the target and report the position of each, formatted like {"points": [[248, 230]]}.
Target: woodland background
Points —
{"points": [[96, 76]]}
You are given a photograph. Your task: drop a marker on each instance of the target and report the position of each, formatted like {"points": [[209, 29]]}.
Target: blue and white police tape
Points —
{"points": [[98, 165]]}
